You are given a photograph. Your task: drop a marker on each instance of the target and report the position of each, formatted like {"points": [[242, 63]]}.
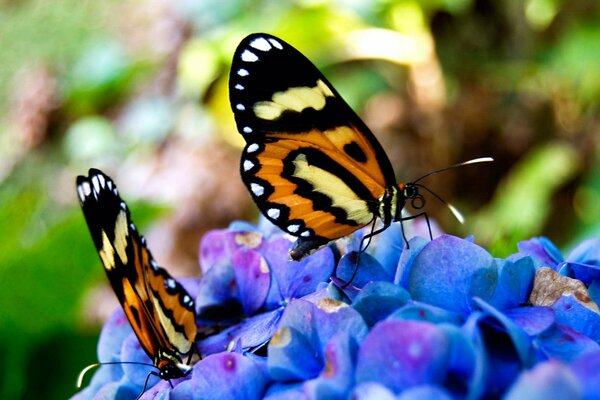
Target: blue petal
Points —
{"points": [[292, 356], [372, 391], [564, 344], [515, 281], [449, 271], [505, 326], [502, 350], [368, 270], [286, 391], [337, 377], [415, 310], [549, 380], [226, 376], [587, 371], [587, 252], [253, 279], [275, 251], [387, 247], [407, 259], [160, 391], [462, 367], [425, 392], [132, 352], [377, 300], [297, 349], [402, 354], [218, 295], [594, 291], [115, 330], [572, 313], [586, 273]]}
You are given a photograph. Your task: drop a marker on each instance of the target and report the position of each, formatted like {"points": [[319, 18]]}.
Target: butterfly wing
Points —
{"points": [[311, 165], [158, 308]]}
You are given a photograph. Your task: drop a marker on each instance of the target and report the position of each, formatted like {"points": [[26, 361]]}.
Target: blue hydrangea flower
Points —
{"points": [[442, 319]]}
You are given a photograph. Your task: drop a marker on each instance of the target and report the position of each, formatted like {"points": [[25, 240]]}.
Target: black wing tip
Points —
{"points": [[94, 185]]}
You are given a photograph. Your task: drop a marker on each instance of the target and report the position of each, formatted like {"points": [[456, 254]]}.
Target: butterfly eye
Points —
{"points": [[410, 191]]}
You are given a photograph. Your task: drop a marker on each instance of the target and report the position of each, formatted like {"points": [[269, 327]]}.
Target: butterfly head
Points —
{"points": [[170, 366], [408, 192]]}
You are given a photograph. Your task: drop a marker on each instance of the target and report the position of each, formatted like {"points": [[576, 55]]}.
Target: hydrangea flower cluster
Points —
{"points": [[442, 319]]}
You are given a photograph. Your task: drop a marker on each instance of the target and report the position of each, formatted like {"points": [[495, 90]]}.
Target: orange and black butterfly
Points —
{"points": [[312, 166], [158, 308]]}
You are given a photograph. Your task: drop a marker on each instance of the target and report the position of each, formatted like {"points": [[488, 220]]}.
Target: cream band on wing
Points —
{"points": [[294, 99]]}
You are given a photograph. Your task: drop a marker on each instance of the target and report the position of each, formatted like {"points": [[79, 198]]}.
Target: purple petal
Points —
{"points": [[361, 269], [572, 313], [533, 320], [228, 376], [425, 392], [549, 380], [449, 271], [542, 250], [515, 281], [402, 354], [253, 278], [587, 371], [379, 299], [217, 246], [564, 344]]}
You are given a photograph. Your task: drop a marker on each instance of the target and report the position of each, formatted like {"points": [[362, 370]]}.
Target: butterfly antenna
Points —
{"points": [[469, 162], [92, 366], [452, 209]]}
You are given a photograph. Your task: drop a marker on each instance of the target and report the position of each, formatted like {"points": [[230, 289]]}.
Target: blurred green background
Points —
{"points": [[139, 90]]}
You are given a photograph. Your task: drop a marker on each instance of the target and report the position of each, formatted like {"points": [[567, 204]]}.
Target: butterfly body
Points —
{"points": [[158, 308], [310, 163]]}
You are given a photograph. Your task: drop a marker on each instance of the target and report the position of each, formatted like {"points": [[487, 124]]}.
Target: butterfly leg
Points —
{"points": [[146, 384], [363, 247], [420, 214]]}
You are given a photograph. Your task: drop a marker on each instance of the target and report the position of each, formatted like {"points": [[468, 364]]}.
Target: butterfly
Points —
{"points": [[310, 163], [158, 308]]}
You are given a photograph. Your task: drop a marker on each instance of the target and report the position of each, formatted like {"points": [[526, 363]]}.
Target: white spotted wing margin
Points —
{"points": [[158, 308]]}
